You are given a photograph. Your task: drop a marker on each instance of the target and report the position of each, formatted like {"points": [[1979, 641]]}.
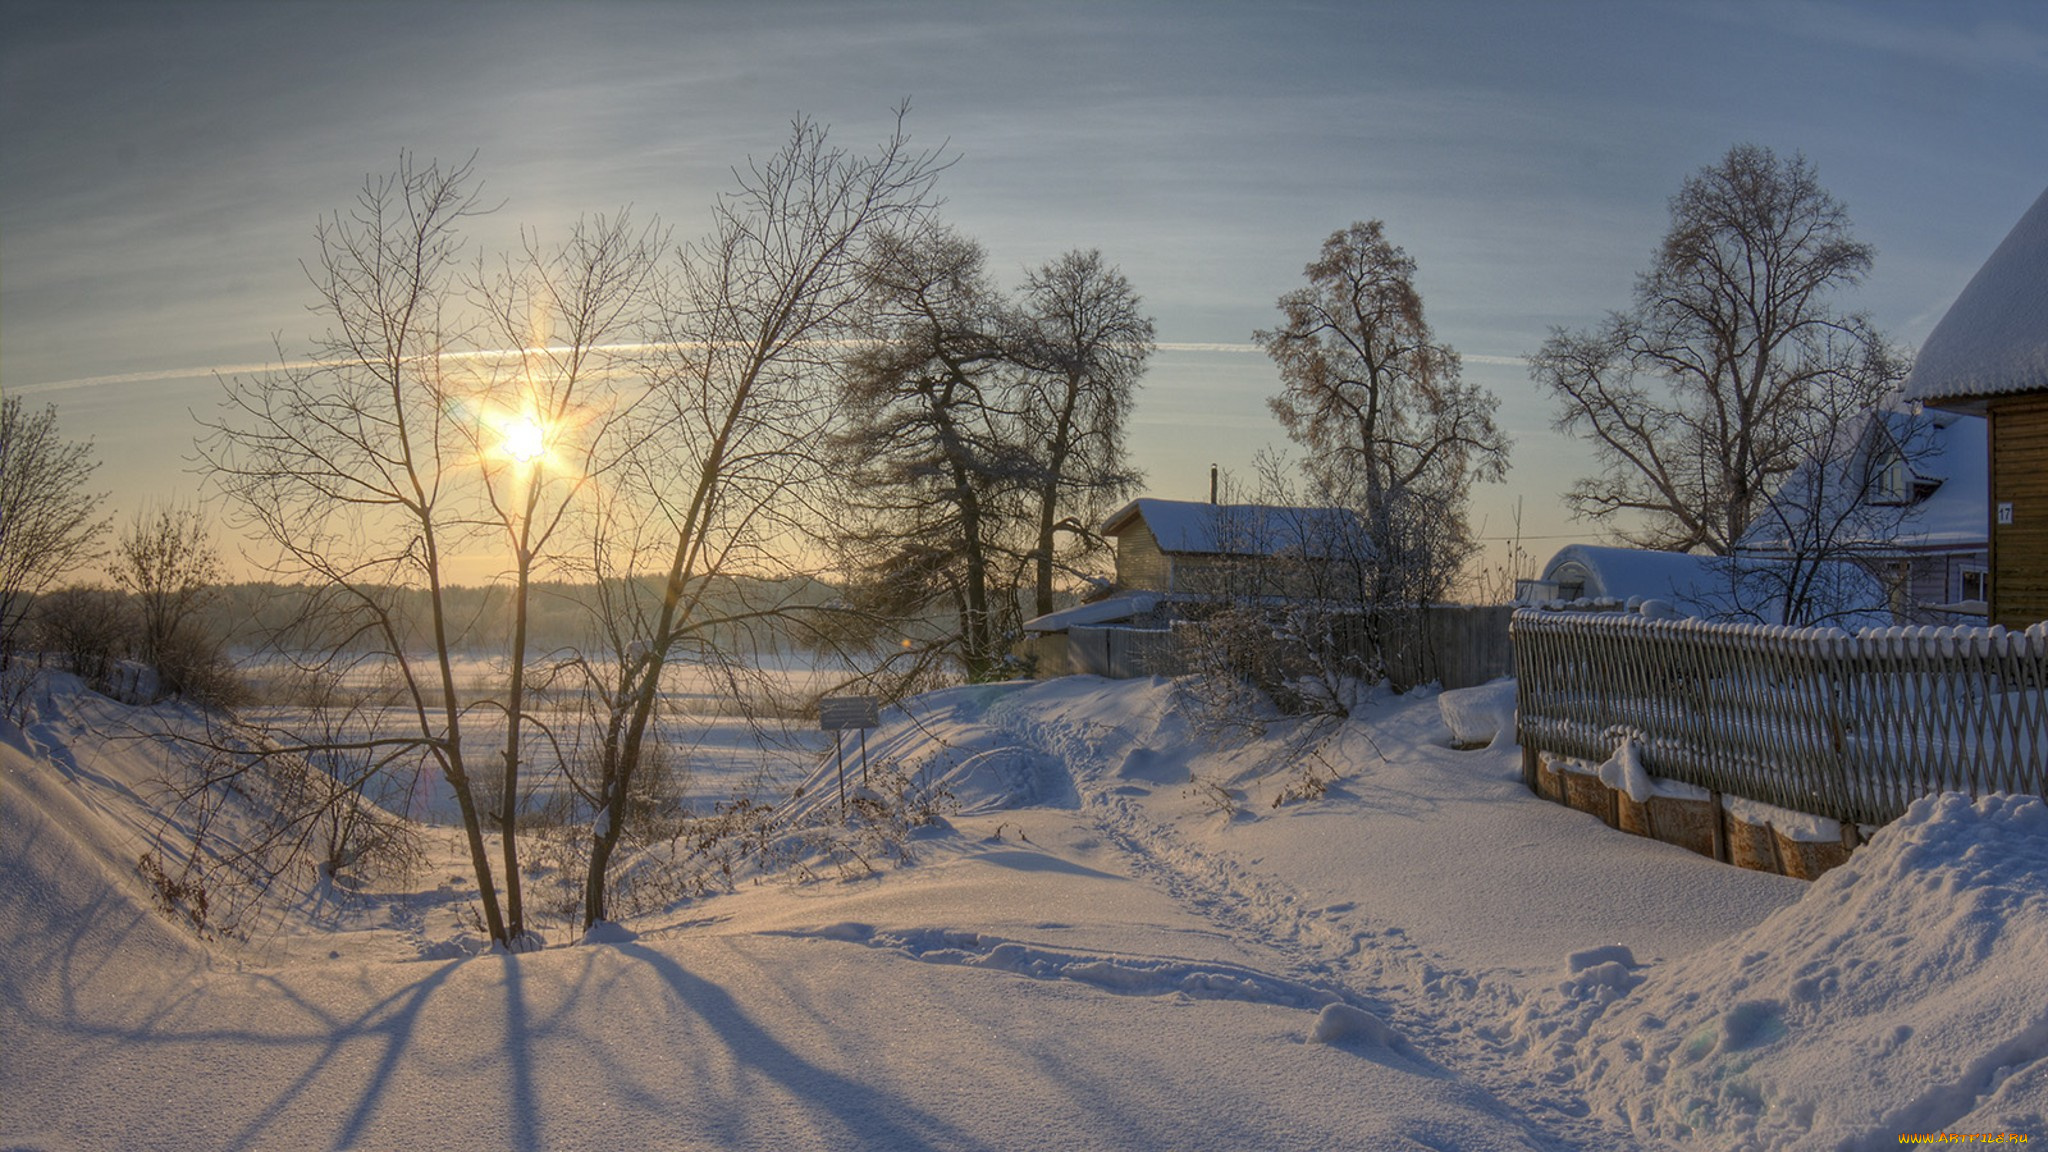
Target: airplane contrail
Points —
{"points": [[199, 373]]}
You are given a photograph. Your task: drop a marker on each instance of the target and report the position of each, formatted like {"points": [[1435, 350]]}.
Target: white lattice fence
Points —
{"points": [[1852, 727]]}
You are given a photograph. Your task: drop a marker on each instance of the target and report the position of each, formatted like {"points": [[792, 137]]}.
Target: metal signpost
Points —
{"points": [[838, 713]]}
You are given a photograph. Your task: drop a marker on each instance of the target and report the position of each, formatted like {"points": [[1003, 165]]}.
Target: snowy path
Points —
{"points": [[1447, 1015]]}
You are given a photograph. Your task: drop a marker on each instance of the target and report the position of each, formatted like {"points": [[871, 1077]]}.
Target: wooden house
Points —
{"points": [[1192, 549], [1174, 556], [1989, 356], [1906, 503]]}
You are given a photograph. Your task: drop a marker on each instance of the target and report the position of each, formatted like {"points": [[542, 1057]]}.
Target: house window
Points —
{"points": [[1976, 583], [1894, 481]]}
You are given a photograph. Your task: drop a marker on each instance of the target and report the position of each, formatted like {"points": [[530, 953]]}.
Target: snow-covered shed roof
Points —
{"points": [[1683, 578], [1198, 528], [1994, 339], [1108, 610], [1715, 587]]}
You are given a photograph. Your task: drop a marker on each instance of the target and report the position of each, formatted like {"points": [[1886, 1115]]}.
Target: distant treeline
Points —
{"points": [[253, 616]]}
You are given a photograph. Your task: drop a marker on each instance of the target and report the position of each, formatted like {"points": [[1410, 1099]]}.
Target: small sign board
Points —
{"points": [[837, 713], [2005, 511]]}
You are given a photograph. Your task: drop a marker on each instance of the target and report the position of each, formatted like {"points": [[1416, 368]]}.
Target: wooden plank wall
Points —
{"points": [[2019, 475], [1139, 562]]}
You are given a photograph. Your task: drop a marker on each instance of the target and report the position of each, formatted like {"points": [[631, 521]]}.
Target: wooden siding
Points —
{"points": [[2019, 476], [1142, 565], [1139, 562], [1937, 578]]}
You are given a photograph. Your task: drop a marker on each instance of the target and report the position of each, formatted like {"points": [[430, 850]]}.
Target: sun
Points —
{"points": [[525, 440]]}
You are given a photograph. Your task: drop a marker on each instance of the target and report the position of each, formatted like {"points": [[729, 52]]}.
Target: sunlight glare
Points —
{"points": [[525, 440]]}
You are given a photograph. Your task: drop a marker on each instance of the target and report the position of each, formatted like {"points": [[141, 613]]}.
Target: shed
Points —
{"points": [[1597, 571], [1710, 587]]}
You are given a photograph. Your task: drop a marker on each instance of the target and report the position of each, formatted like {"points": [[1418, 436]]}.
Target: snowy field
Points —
{"points": [[714, 757], [716, 751], [1117, 940]]}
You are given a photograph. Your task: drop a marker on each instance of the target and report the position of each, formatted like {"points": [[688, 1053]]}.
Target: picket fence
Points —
{"points": [[1849, 726]]}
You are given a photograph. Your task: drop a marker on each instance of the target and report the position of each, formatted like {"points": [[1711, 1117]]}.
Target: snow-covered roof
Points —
{"points": [[1107, 610], [1958, 513], [1994, 339], [1715, 587], [1949, 451], [1683, 578], [1194, 527]]}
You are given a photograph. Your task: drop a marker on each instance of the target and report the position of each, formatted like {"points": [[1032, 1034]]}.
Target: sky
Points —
{"points": [[165, 163]]}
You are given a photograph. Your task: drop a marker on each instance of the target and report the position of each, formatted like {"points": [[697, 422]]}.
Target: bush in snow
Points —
{"points": [[86, 629]]}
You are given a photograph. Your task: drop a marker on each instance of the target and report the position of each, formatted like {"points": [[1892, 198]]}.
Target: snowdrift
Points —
{"points": [[939, 745], [1905, 993]]}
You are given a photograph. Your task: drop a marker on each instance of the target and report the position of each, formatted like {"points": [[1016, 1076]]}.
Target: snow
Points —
{"points": [[1902, 994], [1955, 515], [1084, 953], [1624, 772], [1803, 826], [1480, 715], [1108, 610], [1603, 957], [1341, 1023], [1951, 455], [1673, 585], [1994, 339], [1602, 570], [1189, 526]]}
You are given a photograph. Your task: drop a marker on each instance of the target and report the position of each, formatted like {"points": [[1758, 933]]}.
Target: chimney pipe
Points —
{"points": [[1212, 483]]}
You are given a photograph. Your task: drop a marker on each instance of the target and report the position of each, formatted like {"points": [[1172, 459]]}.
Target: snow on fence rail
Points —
{"points": [[1851, 727]]}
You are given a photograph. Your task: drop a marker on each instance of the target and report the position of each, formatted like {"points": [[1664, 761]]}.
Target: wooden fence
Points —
{"points": [[1852, 727], [1455, 645], [1122, 653]]}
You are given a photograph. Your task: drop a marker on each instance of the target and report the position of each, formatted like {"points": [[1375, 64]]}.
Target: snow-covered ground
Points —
{"points": [[1117, 940]]}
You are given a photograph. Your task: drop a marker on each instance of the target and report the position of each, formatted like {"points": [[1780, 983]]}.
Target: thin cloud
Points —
{"points": [[1209, 348], [216, 370], [81, 382], [211, 371], [1981, 45], [1468, 357]]}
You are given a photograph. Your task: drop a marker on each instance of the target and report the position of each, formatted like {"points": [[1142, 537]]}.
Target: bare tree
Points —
{"points": [[1083, 343], [550, 417], [1817, 551], [726, 482], [939, 471], [165, 560], [1392, 429], [87, 629], [47, 526], [352, 463], [1700, 400]]}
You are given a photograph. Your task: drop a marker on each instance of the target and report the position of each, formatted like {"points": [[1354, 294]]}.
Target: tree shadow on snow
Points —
{"points": [[871, 1118]]}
